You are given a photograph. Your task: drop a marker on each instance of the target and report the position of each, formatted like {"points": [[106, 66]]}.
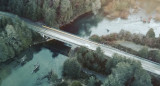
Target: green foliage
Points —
{"points": [[65, 8], [13, 37], [52, 12], [115, 60], [94, 60], [95, 38], [62, 84], [150, 33], [76, 83], [50, 16], [143, 52], [120, 71], [155, 81], [120, 75], [91, 81], [71, 68], [126, 72], [3, 4], [4, 21], [155, 55], [142, 78], [65, 5], [54, 77], [5, 51]]}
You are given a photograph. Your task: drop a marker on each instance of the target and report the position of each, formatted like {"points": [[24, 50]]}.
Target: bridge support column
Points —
{"points": [[72, 51]]}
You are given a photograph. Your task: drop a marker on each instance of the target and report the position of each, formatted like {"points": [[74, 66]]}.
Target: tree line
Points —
{"points": [[146, 40], [119, 70], [52, 12]]}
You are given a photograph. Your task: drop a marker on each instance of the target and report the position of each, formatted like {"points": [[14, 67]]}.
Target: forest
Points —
{"points": [[118, 70], [52, 12], [14, 38]]}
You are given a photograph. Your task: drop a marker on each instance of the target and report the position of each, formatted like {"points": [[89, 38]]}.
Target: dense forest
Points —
{"points": [[13, 37], [118, 70], [53, 12]]}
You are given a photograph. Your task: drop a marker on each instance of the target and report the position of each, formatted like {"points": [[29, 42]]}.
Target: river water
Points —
{"points": [[53, 57], [88, 25], [15, 74]]}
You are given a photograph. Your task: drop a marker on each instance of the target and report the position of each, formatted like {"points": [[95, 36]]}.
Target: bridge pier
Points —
{"points": [[72, 51]]}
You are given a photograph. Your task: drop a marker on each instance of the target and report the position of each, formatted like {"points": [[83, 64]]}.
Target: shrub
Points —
{"points": [[76, 83], [143, 52], [71, 68]]}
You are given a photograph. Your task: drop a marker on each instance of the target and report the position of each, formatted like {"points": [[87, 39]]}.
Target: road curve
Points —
{"points": [[73, 39]]}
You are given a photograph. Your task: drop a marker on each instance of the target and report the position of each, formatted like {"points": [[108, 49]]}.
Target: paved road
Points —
{"points": [[72, 39]]}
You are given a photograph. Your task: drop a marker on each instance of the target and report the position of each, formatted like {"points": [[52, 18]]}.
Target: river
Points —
{"points": [[53, 57], [16, 74], [88, 25]]}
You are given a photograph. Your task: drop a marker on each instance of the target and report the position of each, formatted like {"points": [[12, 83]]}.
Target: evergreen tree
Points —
{"points": [[91, 81], [150, 33]]}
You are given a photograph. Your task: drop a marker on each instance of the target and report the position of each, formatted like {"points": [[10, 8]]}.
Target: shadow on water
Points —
{"points": [[57, 47], [82, 25]]}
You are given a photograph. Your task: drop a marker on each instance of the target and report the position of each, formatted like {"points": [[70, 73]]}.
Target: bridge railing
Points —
{"points": [[131, 55]]}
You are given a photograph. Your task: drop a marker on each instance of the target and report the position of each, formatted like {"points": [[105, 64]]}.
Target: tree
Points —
{"points": [[50, 16], [150, 33], [64, 83], [6, 51], [143, 52], [95, 38], [96, 5], [76, 83], [14, 37], [126, 72], [94, 60], [158, 56], [142, 78], [71, 68], [3, 4], [91, 81], [99, 54], [120, 75], [65, 11], [54, 77], [3, 22]]}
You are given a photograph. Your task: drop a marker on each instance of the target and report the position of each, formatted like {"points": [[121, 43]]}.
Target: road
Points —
{"points": [[72, 39]]}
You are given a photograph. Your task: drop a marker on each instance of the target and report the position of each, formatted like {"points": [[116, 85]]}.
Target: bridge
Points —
{"points": [[73, 39]]}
